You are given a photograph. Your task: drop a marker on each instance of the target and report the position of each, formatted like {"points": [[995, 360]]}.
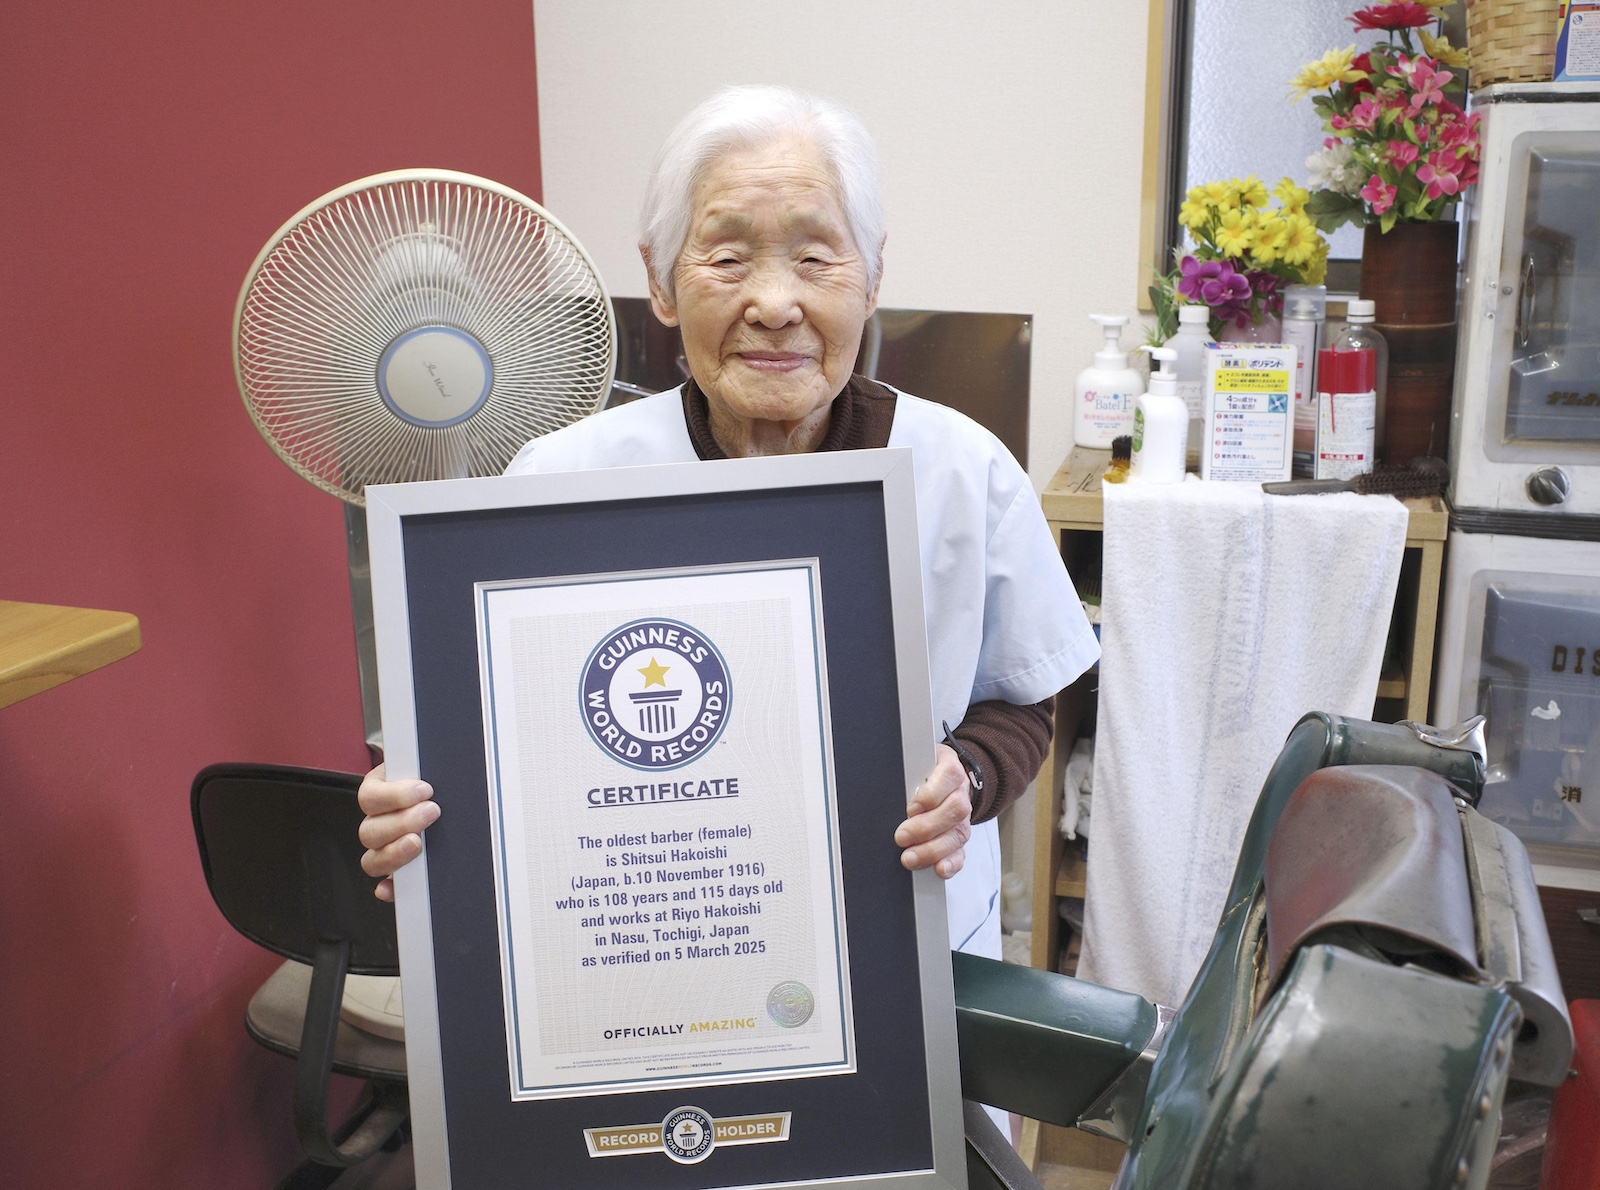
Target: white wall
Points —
{"points": [[1011, 137]]}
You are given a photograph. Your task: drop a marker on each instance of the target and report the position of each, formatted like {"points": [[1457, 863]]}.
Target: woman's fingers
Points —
{"points": [[939, 819], [397, 812], [391, 857], [377, 796], [943, 853]]}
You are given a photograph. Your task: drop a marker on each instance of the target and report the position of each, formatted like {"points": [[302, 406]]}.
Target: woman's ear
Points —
{"points": [[661, 302]]}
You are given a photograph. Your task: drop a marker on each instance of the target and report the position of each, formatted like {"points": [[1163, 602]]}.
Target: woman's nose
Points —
{"points": [[773, 298]]}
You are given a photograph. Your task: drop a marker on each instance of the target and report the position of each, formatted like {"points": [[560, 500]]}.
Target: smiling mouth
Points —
{"points": [[773, 361]]}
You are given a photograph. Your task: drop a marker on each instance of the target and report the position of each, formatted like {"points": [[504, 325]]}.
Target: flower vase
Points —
{"points": [[1268, 330], [1410, 274]]}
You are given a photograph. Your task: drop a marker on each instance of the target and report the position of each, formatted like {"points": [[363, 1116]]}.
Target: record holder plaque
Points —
{"points": [[661, 934]]}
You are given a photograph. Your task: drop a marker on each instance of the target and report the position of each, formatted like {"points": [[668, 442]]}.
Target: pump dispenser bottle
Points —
{"points": [[1194, 332], [1161, 424], [1106, 390]]}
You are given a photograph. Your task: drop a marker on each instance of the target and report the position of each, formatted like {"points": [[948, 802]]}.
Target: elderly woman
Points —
{"points": [[762, 232]]}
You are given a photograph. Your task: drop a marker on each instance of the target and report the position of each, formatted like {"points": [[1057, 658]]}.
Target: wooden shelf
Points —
{"points": [[1073, 500], [1072, 876], [42, 645]]}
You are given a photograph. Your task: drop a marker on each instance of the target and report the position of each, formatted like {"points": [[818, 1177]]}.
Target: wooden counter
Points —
{"points": [[42, 645]]}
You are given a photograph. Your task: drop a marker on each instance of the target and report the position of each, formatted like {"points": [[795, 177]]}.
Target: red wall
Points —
{"points": [[149, 149]]}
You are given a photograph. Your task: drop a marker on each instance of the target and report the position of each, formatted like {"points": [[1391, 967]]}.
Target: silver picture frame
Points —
{"points": [[391, 506]]}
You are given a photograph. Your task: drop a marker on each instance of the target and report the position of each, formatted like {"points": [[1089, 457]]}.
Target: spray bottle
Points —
{"points": [[1300, 329], [1106, 390], [1161, 424]]}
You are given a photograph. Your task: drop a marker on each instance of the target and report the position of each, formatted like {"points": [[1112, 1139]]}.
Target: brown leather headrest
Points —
{"points": [[1377, 848]]}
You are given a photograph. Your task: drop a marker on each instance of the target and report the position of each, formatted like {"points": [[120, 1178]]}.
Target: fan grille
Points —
{"points": [[392, 254]]}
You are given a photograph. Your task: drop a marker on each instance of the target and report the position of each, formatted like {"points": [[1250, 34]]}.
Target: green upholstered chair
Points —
{"points": [[1380, 970]]}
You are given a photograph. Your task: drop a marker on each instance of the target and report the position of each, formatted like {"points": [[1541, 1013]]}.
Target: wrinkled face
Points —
{"points": [[771, 289]]}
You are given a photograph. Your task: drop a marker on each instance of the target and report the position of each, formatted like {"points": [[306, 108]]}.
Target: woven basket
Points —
{"points": [[1512, 41]]}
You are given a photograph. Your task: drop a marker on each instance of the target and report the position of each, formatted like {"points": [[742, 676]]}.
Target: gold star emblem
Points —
{"points": [[655, 674]]}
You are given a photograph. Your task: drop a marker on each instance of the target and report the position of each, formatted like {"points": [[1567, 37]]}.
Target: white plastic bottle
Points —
{"points": [[1300, 330], [1106, 390], [1161, 424], [1194, 332]]}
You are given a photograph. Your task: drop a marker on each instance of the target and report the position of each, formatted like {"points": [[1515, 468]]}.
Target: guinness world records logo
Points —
{"points": [[655, 694], [688, 1135]]}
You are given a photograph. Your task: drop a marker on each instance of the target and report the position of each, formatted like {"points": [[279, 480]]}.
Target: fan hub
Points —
{"points": [[435, 376]]}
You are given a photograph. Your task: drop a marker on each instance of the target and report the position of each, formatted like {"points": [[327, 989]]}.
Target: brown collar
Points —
{"points": [[860, 419]]}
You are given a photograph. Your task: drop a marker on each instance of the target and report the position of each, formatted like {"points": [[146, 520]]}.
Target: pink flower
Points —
{"points": [[1401, 153], [1379, 194], [1428, 83], [1440, 174], [1362, 117], [1460, 133]]}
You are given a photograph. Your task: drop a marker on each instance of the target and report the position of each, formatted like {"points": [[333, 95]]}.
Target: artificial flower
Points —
{"points": [[1363, 117], [1428, 84], [1459, 133], [1194, 215], [1252, 191], [1290, 197], [1440, 173], [1378, 194], [1233, 233], [1266, 241], [1330, 168], [1404, 15], [1221, 195], [1333, 68], [1440, 49], [1300, 241], [1400, 153], [1211, 282]]}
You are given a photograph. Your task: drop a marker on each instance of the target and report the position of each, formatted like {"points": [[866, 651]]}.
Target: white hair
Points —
{"points": [[751, 117]]}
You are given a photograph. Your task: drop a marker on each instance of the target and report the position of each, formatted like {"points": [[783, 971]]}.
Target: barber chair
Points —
{"points": [[281, 856], [1381, 970]]}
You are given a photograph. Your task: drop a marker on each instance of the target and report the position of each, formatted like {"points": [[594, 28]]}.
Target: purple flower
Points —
{"points": [[1213, 282]]}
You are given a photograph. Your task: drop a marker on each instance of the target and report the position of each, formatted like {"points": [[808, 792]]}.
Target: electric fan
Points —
{"points": [[418, 324]]}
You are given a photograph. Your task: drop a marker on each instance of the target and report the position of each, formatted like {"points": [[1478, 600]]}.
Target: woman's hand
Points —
{"points": [[938, 818], [397, 814]]}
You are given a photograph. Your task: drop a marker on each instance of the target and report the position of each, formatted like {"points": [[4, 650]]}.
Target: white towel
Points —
{"points": [[1227, 614]]}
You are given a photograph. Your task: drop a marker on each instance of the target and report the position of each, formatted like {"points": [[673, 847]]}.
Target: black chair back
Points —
{"points": [[282, 859]]}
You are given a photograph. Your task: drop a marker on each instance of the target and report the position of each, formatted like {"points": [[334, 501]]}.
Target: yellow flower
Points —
{"points": [[1300, 241], [1326, 72], [1220, 195], [1267, 241], [1234, 233], [1194, 215], [1252, 191], [1440, 49], [1291, 197]]}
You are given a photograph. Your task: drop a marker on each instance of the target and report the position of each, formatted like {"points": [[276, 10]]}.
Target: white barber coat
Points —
{"points": [[1003, 621]]}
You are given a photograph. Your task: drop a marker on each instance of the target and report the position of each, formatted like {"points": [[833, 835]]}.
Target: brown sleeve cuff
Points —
{"points": [[1009, 741]]}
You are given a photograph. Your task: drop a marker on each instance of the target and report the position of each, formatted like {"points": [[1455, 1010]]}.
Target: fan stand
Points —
{"points": [[355, 537]]}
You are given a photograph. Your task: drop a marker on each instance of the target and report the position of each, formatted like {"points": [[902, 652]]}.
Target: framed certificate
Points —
{"points": [[661, 933]]}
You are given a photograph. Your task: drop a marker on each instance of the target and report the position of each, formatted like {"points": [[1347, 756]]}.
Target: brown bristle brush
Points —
{"points": [[1423, 476]]}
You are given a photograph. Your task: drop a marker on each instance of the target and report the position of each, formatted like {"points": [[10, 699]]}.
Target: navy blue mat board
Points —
{"points": [[873, 1121]]}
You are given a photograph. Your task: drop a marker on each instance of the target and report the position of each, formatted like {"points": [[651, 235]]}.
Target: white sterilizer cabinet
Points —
{"points": [[1518, 644], [1525, 433]]}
